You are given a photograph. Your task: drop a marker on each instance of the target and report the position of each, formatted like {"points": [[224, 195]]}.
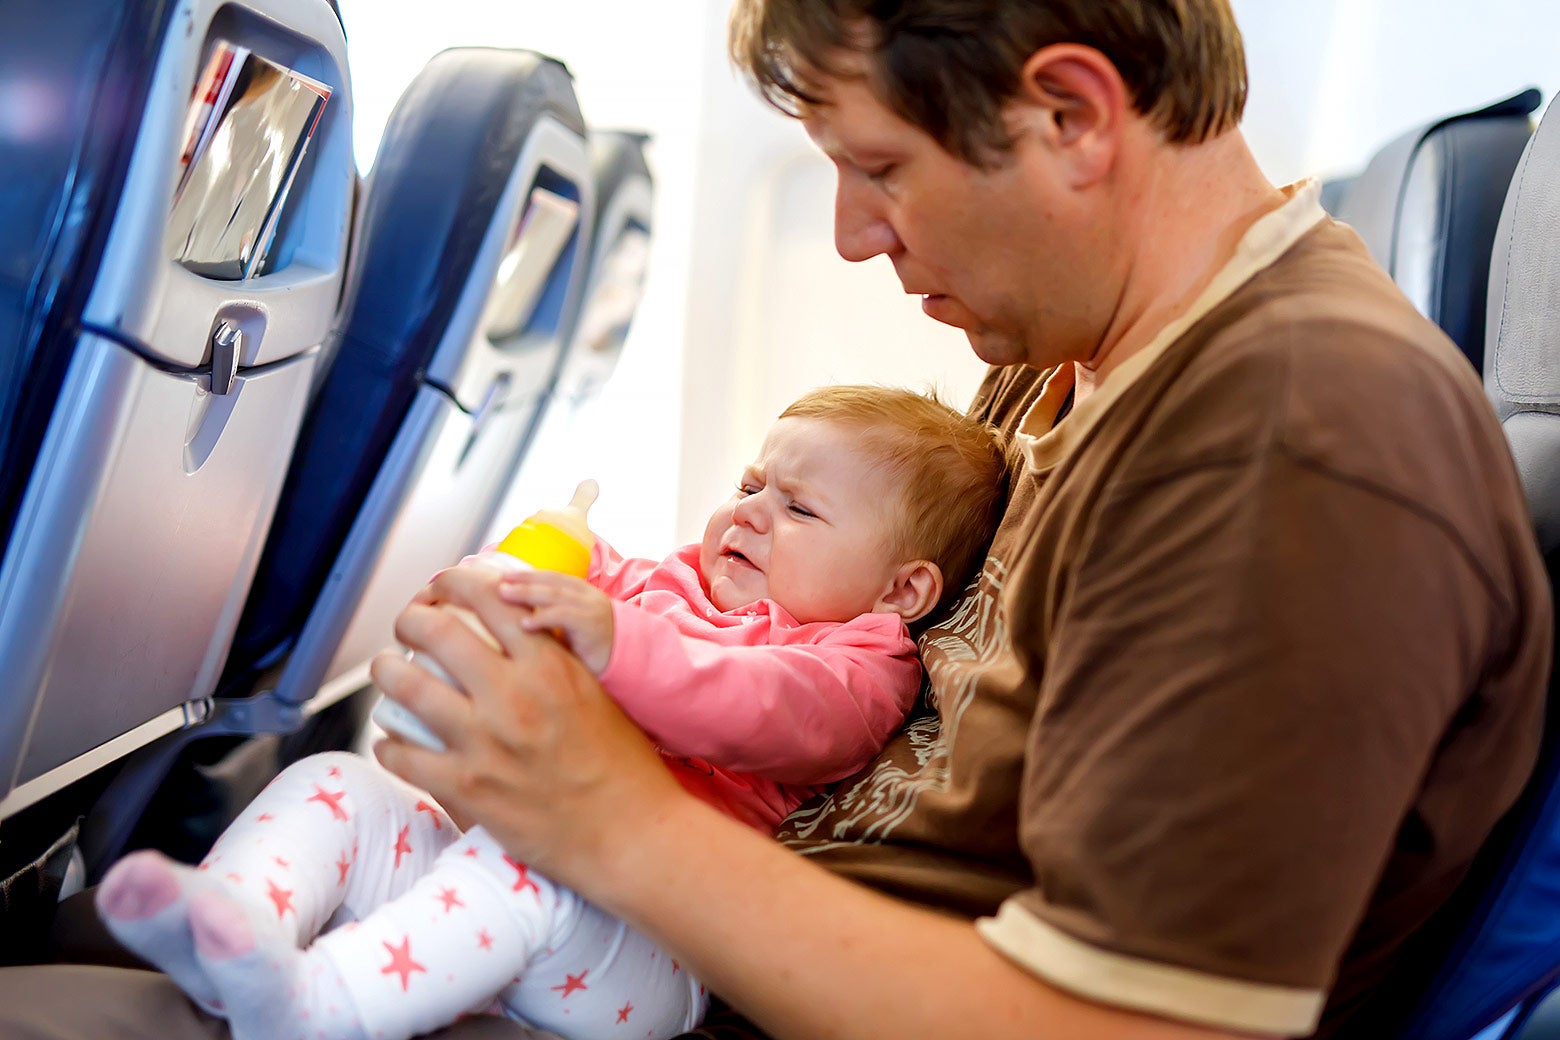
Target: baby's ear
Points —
{"points": [[915, 590]]}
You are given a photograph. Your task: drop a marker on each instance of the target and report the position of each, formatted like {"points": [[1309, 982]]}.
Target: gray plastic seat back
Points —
{"points": [[1522, 373]]}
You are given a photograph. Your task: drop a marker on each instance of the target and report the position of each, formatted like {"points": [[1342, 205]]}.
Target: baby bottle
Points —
{"points": [[549, 540]]}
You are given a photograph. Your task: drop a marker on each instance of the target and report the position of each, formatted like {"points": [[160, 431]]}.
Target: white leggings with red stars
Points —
{"points": [[425, 923]]}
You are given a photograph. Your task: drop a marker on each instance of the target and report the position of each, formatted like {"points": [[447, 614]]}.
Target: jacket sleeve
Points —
{"points": [[618, 576], [807, 713]]}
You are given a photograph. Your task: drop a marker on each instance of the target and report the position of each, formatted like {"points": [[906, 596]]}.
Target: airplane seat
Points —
{"points": [[1501, 949], [435, 274], [1426, 206], [614, 284], [467, 266], [614, 279], [171, 258], [49, 235]]}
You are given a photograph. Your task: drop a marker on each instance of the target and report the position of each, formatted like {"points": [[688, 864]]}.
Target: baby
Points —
{"points": [[770, 659]]}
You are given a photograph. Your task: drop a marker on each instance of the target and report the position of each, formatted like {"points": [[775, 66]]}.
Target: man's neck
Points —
{"points": [[1188, 213]]}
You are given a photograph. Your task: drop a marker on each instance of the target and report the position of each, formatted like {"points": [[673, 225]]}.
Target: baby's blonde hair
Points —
{"points": [[950, 469]]}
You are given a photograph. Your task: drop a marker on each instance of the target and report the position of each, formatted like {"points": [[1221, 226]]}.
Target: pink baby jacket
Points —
{"points": [[753, 711]]}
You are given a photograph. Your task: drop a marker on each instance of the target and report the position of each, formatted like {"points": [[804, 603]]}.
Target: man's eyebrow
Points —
{"points": [[859, 157]]}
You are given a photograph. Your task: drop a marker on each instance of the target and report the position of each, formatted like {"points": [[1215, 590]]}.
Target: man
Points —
{"points": [[1255, 661], [1257, 658]]}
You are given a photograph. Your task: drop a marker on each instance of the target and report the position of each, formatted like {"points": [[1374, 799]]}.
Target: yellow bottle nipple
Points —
{"points": [[556, 539]]}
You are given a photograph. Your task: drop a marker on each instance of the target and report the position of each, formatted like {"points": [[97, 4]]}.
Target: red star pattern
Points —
{"points": [[623, 1012], [264, 817], [332, 799], [484, 940], [471, 850], [401, 845], [282, 897], [281, 862], [432, 811], [401, 962], [523, 878], [235, 878], [334, 771], [343, 864], [450, 898], [573, 982]]}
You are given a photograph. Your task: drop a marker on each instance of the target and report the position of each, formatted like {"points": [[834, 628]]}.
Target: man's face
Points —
{"points": [[994, 252]]}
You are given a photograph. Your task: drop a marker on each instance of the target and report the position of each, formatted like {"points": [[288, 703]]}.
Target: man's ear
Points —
{"points": [[915, 590], [1074, 100]]}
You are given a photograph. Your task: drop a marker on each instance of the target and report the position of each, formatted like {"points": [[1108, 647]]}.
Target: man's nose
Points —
{"points": [[860, 229]]}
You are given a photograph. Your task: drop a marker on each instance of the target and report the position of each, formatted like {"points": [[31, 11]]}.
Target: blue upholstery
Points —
{"points": [[61, 174], [1427, 205], [1505, 953]]}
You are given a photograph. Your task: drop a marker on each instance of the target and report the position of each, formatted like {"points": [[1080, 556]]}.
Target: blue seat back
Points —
{"points": [[61, 175], [1427, 205]]}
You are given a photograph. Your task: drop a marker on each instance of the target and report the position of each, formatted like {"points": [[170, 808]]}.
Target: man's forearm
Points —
{"points": [[808, 956]]}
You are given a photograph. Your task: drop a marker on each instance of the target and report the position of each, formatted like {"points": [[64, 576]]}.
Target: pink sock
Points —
{"points": [[270, 990]]}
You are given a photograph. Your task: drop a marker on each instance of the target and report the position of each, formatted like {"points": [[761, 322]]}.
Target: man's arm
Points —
{"points": [[543, 758], [806, 954]]}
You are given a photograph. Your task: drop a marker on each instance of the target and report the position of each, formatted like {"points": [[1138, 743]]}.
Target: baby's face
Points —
{"points": [[809, 527]]}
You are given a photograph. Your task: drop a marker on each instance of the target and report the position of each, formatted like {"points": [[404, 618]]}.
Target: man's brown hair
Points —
{"points": [[950, 469], [949, 66]]}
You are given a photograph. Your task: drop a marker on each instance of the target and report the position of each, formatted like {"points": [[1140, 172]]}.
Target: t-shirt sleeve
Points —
{"points": [[1253, 664]]}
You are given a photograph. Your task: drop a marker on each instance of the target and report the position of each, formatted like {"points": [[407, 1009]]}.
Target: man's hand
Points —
{"points": [[577, 611], [537, 752]]}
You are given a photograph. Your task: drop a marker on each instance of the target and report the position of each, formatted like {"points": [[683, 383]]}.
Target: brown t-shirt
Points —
{"points": [[1254, 665]]}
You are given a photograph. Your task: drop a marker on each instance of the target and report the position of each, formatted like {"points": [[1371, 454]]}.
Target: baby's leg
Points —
{"points": [[462, 933], [332, 835], [605, 981]]}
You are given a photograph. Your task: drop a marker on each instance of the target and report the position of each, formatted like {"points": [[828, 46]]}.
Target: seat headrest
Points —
{"points": [[1522, 369], [1427, 206]]}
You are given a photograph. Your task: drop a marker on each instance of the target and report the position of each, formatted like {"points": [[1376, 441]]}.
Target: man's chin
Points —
{"points": [[996, 348]]}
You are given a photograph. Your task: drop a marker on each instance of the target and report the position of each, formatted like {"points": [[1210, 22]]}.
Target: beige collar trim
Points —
{"points": [[1268, 239]]}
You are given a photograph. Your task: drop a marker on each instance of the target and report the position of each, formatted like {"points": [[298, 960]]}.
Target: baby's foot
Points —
{"points": [[144, 901], [270, 990]]}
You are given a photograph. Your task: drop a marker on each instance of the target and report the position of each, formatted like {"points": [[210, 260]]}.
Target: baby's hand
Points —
{"points": [[577, 611]]}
